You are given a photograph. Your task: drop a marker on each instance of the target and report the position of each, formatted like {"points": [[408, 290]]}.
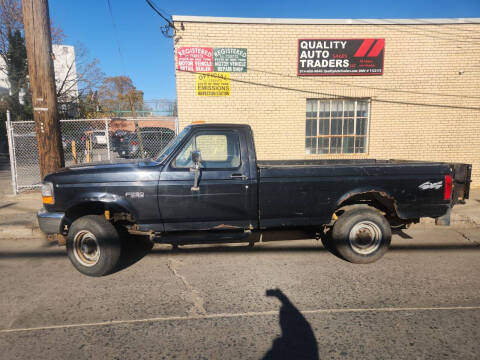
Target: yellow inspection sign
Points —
{"points": [[213, 84]]}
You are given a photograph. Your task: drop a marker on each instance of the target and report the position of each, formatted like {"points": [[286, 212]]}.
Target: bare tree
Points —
{"points": [[11, 19], [75, 75]]}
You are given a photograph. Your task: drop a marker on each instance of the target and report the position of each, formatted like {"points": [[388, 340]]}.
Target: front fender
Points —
{"points": [[113, 201]]}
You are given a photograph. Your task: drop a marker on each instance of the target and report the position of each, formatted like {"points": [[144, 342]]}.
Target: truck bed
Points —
{"points": [[462, 172], [312, 189]]}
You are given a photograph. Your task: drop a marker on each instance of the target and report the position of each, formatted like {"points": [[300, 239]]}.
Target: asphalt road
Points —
{"points": [[421, 301]]}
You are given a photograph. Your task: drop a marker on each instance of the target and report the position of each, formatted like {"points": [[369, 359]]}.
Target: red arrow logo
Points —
{"points": [[362, 50], [379, 45]]}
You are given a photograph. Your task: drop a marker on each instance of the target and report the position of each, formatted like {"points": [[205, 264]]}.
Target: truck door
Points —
{"points": [[222, 200]]}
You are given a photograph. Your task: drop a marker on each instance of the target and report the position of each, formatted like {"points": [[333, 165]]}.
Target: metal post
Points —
{"points": [[11, 152], [176, 126], [107, 135]]}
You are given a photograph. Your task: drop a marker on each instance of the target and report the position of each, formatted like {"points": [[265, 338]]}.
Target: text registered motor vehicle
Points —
{"points": [[207, 185]]}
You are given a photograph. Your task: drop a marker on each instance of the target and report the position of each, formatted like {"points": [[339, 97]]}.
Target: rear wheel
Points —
{"points": [[93, 245], [361, 235]]}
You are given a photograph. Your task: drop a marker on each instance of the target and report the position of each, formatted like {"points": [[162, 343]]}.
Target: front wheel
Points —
{"points": [[93, 245], [361, 235]]}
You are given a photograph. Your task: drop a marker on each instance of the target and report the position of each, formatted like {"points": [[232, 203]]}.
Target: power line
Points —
{"points": [[115, 31], [156, 8], [166, 28], [364, 86], [278, 87]]}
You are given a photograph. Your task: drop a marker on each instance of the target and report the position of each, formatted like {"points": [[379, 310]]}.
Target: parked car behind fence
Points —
{"points": [[154, 139]]}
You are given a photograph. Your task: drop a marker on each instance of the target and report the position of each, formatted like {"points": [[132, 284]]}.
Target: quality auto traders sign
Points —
{"points": [[317, 57]]}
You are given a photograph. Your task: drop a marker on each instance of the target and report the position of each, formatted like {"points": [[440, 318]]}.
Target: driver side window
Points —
{"points": [[218, 151], [184, 159]]}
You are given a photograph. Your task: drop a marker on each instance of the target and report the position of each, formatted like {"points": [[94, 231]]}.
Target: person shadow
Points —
{"points": [[297, 340]]}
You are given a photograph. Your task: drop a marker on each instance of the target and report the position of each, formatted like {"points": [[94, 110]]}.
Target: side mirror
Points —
{"points": [[196, 157]]}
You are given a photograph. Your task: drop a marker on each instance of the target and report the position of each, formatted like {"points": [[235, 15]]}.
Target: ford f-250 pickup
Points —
{"points": [[207, 184]]}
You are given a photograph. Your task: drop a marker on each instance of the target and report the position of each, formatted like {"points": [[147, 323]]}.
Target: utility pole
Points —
{"points": [[135, 121], [36, 21]]}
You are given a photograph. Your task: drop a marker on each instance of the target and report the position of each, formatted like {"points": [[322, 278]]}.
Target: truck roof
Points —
{"points": [[209, 125]]}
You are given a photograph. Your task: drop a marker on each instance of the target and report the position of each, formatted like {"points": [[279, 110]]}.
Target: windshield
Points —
{"points": [[167, 150]]}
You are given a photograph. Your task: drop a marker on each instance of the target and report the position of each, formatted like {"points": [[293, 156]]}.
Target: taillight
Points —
{"points": [[133, 142], [447, 189]]}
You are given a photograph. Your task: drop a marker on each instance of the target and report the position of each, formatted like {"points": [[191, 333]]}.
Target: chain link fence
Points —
{"points": [[88, 141]]}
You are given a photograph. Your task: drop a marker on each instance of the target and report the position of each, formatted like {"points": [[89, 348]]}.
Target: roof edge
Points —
{"points": [[286, 21]]}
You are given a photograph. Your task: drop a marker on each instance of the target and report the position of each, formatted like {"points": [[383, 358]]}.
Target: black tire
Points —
{"points": [[361, 236], [328, 243], [93, 245]]}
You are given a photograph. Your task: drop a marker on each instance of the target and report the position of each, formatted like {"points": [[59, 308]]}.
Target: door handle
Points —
{"points": [[239, 176]]}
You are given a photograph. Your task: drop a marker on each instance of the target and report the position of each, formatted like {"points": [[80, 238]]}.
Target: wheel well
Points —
{"points": [[116, 213], [375, 199]]}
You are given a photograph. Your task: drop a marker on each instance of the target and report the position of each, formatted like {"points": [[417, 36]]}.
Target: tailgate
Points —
{"points": [[462, 174]]}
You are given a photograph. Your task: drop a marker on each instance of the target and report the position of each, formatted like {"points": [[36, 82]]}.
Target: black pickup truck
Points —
{"points": [[207, 185]]}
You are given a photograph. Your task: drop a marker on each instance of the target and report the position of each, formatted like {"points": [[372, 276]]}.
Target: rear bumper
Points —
{"points": [[50, 222]]}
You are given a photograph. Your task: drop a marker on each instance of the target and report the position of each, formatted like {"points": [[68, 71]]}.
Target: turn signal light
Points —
{"points": [[47, 200], [447, 190]]}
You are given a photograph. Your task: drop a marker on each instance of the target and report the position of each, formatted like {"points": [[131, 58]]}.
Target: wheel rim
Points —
{"points": [[365, 237], [85, 248]]}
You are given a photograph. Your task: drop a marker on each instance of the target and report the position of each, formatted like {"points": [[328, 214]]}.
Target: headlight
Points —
{"points": [[47, 193]]}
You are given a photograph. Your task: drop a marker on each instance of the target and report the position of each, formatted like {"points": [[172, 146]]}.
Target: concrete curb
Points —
{"points": [[20, 232], [456, 220]]}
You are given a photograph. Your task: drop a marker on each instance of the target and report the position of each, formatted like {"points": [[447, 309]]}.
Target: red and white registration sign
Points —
{"points": [[195, 59]]}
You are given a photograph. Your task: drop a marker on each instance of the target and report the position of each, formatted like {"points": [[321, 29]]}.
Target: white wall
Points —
{"points": [[65, 68], [64, 65]]}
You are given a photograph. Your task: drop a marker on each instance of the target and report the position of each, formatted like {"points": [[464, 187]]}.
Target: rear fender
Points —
{"points": [[381, 196]]}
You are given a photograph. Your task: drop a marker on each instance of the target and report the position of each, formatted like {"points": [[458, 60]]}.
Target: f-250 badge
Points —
{"points": [[429, 185]]}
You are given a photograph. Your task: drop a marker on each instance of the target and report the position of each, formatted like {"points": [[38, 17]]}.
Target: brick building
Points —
{"points": [[297, 83]]}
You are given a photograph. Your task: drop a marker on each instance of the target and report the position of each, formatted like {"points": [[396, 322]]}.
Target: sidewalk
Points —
{"points": [[18, 214]]}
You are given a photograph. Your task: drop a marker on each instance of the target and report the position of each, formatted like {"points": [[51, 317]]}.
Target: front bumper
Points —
{"points": [[50, 222]]}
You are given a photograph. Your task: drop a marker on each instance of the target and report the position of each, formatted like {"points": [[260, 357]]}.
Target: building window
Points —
{"points": [[336, 126]]}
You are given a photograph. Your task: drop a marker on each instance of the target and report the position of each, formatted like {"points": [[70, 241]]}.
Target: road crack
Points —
{"points": [[467, 238], [192, 294]]}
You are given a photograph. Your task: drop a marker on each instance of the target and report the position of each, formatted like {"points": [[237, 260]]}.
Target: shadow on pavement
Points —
{"points": [[401, 233], [7, 205], [297, 340], [303, 248], [136, 251]]}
